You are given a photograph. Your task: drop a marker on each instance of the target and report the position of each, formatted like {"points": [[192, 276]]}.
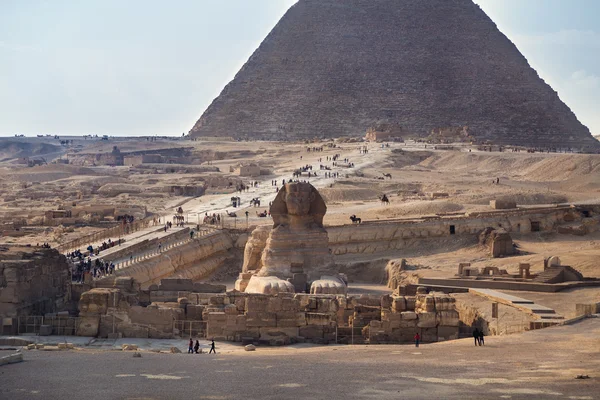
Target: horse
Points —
{"points": [[355, 219], [384, 200]]}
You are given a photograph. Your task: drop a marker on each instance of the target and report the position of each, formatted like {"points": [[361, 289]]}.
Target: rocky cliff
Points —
{"points": [[337, 67]]}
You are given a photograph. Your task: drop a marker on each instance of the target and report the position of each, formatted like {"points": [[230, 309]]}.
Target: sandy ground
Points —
{"points": [[532, 365]]}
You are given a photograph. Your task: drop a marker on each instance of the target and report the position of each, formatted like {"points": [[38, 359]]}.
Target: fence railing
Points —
{"points": [[61, 325], [164, 247]]}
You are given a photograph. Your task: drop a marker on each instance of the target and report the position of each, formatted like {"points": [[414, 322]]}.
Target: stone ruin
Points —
{"points": [[296, 249], [126, 311], [498, 241]]}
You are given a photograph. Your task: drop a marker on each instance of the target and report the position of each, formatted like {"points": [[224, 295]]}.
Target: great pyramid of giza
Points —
{"points": [[334, 68]]}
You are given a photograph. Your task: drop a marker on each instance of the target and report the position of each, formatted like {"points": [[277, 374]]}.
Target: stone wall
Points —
{"points": [[333, 68], [271, 320], [33, 281], [379, 237], [196, 260]]}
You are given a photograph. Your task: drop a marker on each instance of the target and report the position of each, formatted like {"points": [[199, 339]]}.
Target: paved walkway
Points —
{"points": [[528, 306]]}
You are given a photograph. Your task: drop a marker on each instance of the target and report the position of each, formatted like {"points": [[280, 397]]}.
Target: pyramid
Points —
{"points": [[333, 68]]}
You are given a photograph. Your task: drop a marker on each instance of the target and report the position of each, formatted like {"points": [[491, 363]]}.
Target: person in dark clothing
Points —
{"points": [[212, 347], [476, 336], [196, 347], [481, 341], [191, 346]]}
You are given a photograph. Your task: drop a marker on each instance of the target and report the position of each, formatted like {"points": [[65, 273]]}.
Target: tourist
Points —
{"points": [[191, 346], [417, 339], [196, 346], [212, 347], [476, 336], [481, 341]]}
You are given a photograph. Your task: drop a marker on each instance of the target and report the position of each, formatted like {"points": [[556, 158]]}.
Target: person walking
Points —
{"points": [[196, 347], [481, 341], [417, 339], [212, 347], [476, 336], [191, 346]]}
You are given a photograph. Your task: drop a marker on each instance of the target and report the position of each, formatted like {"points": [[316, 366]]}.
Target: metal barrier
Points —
{"points": [[61, 325], [190, 329]]}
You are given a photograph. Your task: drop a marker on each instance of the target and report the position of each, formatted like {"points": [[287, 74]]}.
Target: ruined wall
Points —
{"points": [[196, 260], [272, 320], [33, 281], [379, 237]]}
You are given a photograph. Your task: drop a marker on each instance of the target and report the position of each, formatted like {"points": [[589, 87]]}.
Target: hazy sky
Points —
{"points": [[145, 67]]}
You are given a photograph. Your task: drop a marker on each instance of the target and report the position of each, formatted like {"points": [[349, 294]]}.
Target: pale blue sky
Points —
{"points": [[146, 67]]}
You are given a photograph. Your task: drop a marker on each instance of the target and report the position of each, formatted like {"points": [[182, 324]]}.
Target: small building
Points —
{"points": [[132, 161], [54, 214], [385, 133], [250, 170]]}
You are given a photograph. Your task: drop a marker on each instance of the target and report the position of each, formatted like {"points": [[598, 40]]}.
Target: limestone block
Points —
{"points": [[318, 319], [261, 319], [241, 284], [408, 323], [194, 312], [448, 318], [429, 335], [174, 350], [11, 359], [256, 303], [268, 333], [409, 315], [88, 326], [447, 333], [31, 346], [45, 330], [427, 320], [399, 303], [311, 332], [250, 347], [386, 301], [410, 303], [230, 309], [129, 347]]}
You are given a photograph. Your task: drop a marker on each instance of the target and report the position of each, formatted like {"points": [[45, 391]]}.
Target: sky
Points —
{"points": [[139, 67]]}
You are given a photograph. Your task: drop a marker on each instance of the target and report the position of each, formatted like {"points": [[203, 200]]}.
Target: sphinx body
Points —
{"points": [[297, 248]]}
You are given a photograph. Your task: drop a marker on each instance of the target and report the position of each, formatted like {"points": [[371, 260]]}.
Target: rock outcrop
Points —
{"points": [[334, 68], [33, 281]]}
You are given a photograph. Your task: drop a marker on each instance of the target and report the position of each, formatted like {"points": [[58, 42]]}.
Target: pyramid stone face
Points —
{"points": [[334, 68]]}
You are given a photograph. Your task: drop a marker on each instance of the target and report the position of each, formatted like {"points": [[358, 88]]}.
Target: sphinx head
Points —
{"points": [[298, 198]]}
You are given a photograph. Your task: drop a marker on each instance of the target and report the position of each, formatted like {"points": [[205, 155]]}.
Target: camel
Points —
{"points": [[232, 214], [388, 176]]}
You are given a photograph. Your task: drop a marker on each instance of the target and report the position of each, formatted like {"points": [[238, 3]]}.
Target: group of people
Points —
{"points": [[214, 219], [194, 348], [478, 337], [97, 268]]}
